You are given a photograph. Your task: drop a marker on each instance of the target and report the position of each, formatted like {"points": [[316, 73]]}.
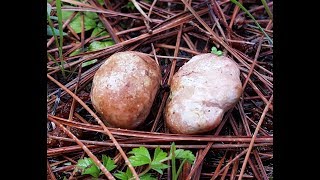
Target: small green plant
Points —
{"points": [[91, 22], [87, 166], [90, 19], [141, 157], [215, 51]]}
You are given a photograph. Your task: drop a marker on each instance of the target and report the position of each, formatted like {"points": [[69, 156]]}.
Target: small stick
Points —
{"points": [[73, 105]]}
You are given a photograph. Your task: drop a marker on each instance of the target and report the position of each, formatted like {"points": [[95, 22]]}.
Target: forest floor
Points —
{"points": [[172, 32]]}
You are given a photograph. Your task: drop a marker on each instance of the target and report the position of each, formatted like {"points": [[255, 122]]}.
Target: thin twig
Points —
{"points": [[228, 164]]}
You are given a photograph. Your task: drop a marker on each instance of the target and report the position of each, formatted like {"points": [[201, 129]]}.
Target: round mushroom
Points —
{"points": [[202, 90], [124, 88]]}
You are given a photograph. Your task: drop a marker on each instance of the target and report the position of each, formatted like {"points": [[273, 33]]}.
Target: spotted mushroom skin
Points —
{"points": [[124, 88], [202, 90]]}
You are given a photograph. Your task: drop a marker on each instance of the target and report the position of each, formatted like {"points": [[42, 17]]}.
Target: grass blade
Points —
{"points": [[57, 44], [255, 21], [56, 62], [180, 167], [59, 13], [267, 8], [173, 161]]}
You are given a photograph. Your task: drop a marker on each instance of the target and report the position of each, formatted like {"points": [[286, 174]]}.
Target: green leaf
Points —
{"points": [[108, 43], [130, 6], [56, 31], [75, 24], [100, 25], [219, 53], [66, 15], [99, 30], [124, 176], [157, 157], [96, 31], [49, 8], [185, 154], [101, 2], [88, 167], [147, 176], [129, 173], [140, 156], [103, 33], [213, 50], [89, 63], [157, 166], [91, 15], [159, 154], [107, 161], [97, 45], [76, 52], [121, 175]]}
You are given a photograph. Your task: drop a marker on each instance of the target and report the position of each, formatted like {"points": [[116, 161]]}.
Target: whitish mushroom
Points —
{"points": [[202, 90]]}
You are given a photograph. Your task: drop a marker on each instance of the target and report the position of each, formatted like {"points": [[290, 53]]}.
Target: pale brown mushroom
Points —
{"points": [[124, 89]]}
